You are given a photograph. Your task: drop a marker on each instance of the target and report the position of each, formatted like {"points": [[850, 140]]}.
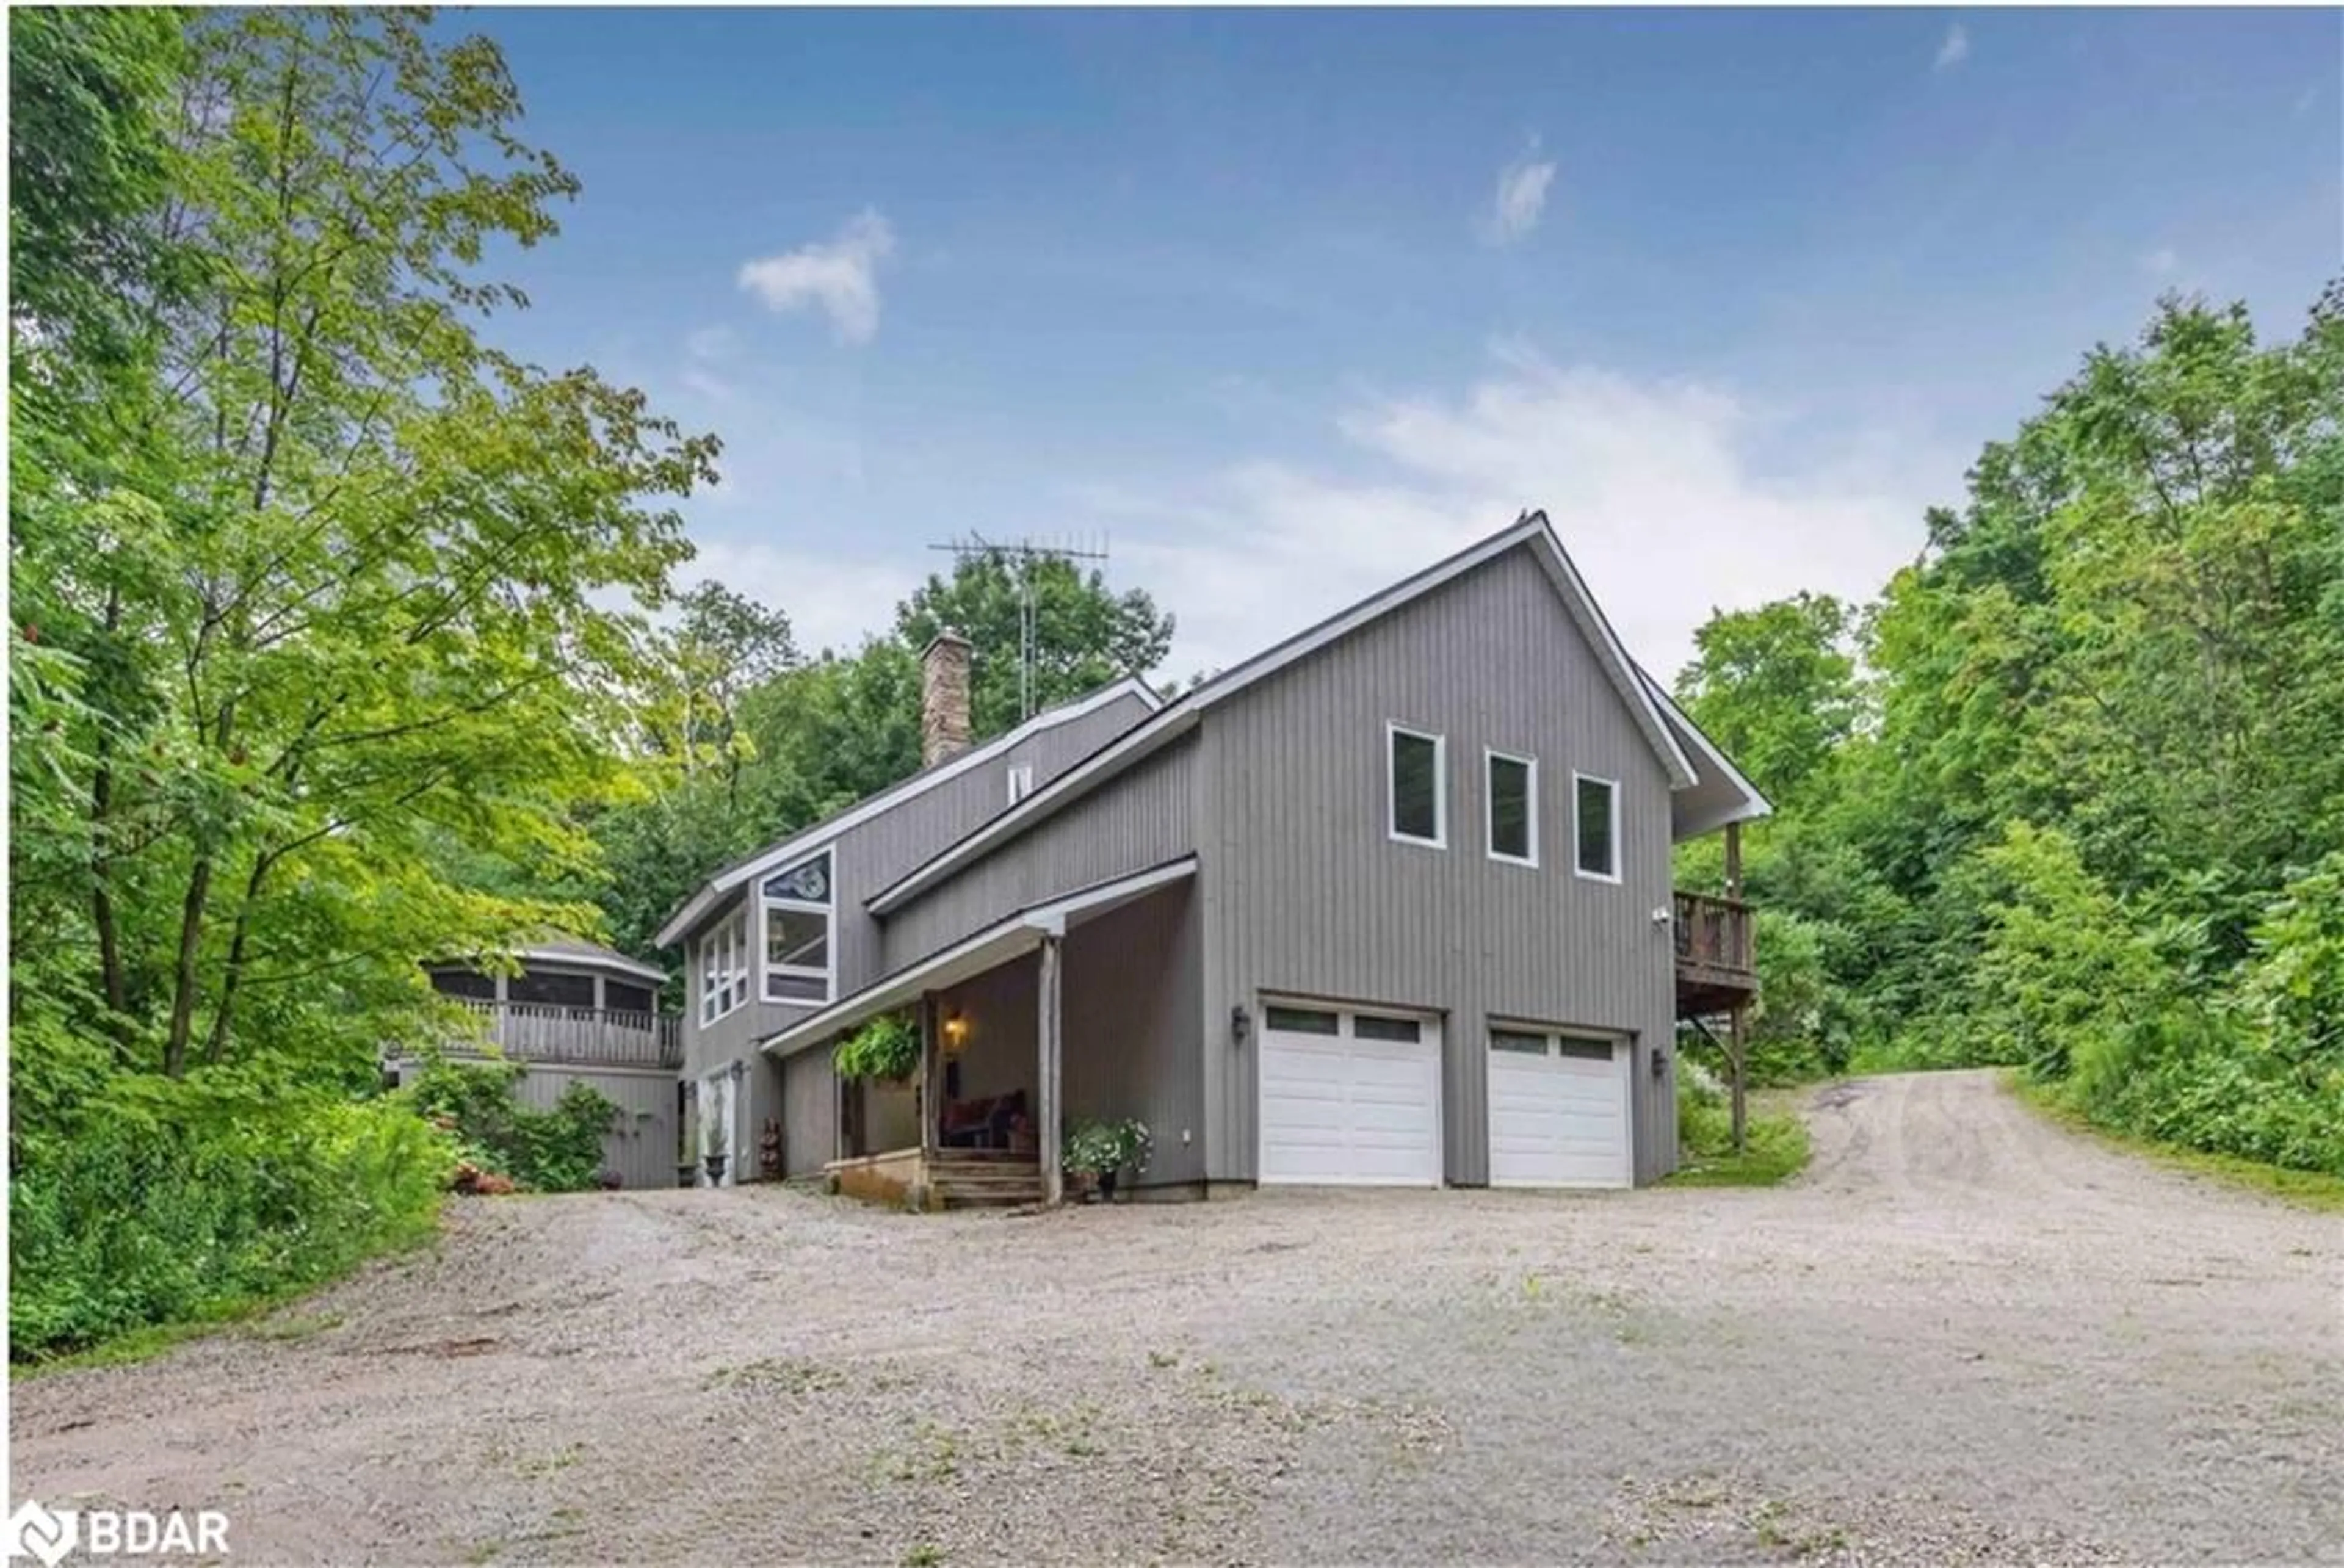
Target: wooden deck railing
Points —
{"points": [[600, 1036], [1714, 935]]}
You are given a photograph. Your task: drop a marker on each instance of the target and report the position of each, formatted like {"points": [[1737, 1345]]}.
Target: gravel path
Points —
{"points": [[1963, 1336]]}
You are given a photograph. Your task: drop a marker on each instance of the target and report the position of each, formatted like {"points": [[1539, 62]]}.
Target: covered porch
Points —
{"points": [[1086, 1007]]}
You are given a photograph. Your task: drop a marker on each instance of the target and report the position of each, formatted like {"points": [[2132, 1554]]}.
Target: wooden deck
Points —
{"points": [[583, 1037], [1716, 954]]}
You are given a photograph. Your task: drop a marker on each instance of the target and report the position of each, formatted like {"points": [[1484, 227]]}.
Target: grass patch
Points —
{"points": [[1777, 1150], [2306, 1188]]}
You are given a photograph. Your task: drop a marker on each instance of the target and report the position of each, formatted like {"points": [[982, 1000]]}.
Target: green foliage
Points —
{"points": [[556, 1150], [1777, 1139], [887, 1049], [189, 1201], [319, 603], [2078, 804], [1084, 636], [1094, 1148]]}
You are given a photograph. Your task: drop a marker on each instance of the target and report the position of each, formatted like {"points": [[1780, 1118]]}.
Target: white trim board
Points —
{"points": [[815, 837], [1176, 717]]}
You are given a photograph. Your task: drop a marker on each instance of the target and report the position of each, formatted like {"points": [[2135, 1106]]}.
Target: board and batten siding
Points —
{"points": [[1139, 821], [809, 1113], [1304, 893], [643, 1139], [1130, 991]]}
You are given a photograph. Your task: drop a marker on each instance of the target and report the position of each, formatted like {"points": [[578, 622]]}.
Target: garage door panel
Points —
{"points": [[1559, 1121], [1350, 1111]]}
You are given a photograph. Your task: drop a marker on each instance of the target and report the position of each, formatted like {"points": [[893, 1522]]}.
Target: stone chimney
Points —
{"points": [[944, 698]]}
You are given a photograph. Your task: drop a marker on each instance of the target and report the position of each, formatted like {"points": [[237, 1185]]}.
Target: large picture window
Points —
{"points": [[725, 966], [798, 910], [1420, 793]]}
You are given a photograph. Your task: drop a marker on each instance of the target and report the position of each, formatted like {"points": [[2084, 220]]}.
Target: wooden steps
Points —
{"points": [[978, 1178]]}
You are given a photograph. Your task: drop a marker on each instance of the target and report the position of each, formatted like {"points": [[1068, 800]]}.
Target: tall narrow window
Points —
{"points": [[725, 966], [1513, 809], [797, 932], [1598, 817], [1420, 794]]}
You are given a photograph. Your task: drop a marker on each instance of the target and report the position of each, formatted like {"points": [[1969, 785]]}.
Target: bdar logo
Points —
{"points": [[38, 1531]]}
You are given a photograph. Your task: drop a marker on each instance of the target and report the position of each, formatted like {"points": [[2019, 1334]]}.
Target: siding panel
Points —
{"points": [[1308, 895], [1142, 820], [642, 1142]]}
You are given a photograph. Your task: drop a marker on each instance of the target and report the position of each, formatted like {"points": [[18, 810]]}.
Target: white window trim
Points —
{"points": [[1611, 877], [766, 903], [1490, 807], [1021, 781], [733, 932], [1393, 730]]}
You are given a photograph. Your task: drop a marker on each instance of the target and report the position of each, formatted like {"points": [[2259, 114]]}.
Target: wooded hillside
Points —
{"points": [[2069, 794]]}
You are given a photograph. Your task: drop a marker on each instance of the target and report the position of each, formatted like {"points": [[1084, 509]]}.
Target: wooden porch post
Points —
{"points": [[1736, 923], [1047, 1037], [930, 1106]]}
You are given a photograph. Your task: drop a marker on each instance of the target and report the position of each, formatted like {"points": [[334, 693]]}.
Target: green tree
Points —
{"points": [[1775, 687], [1085, 634], [334, 574]]}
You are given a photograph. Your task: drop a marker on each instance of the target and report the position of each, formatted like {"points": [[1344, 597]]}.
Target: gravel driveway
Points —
{"points": [[1965, 1336]]}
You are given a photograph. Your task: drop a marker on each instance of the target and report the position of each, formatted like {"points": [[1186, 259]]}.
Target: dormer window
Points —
{"points": [[798, 908]]}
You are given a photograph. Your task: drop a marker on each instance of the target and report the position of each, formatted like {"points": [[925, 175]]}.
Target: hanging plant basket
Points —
{"points": [[887, 1049]]}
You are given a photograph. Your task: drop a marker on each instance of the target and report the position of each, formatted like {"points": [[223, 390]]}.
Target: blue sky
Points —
{"points": [[1284, 305]]}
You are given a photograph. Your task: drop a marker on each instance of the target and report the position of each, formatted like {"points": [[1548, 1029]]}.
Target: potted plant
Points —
{"points": [[713, 1154], [887, 1048], [1090, 1153], [1132, 1144]]}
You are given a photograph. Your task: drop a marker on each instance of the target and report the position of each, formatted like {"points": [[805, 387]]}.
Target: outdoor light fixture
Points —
{"points": [[956, 1032], [1238, 1025]]}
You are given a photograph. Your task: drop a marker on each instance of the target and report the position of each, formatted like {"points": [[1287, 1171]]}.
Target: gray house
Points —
{"points": [[1389, 904]]}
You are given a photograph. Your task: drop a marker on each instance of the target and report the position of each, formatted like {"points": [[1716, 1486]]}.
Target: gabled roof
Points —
{"points": [[1531, 530], [1723, 794], [808, 840]]}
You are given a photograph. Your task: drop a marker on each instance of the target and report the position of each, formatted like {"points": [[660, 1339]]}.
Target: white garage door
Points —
{"points": [[1350, 1098], [1558, 1110]]}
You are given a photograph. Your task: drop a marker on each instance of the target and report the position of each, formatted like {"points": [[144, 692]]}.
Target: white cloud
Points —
{"points": [[2161, 262], [708, 345], [1520, 198], [840, 276], [833, 601], [1954, 50], [1656, 488]]}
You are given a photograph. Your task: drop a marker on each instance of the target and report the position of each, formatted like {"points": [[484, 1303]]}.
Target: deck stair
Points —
{"points": [[979, 1178]]}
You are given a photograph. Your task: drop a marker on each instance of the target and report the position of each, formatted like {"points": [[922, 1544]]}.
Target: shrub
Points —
{"points": [[556, 1151], [181, 1202]]}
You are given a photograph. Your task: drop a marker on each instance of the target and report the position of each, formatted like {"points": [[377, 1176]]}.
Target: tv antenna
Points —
{"points": [[1022, 555]]}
